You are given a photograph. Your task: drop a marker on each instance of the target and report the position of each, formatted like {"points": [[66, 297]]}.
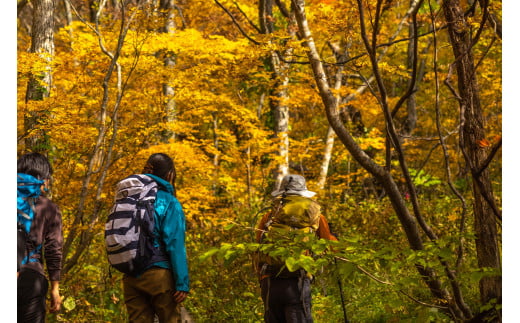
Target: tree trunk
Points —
{"points": [[68, 12], [82, 233], [471, 134], [93, 9], [278, 95], [382, 174], [169, 62], [329, 139], [411, 104], [327, 153], [39, 86]]}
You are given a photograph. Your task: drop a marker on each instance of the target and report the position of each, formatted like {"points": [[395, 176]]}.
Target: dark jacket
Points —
{"points": [[46, 229]]}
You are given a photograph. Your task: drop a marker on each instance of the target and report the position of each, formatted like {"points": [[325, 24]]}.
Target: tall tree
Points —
{"points": [[412, 223], [102, 153], [278, 93], [168, 8], [478, 156], [39, 86]]}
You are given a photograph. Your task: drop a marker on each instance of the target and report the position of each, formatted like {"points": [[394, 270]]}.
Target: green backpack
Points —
{"points": [[289, 213]]}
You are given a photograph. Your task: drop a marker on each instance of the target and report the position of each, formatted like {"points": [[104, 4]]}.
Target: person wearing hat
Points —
{"points": [[287, 295]]}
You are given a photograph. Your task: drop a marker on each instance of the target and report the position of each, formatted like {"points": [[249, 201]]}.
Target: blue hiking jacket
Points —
{"points": [[170, 228]]}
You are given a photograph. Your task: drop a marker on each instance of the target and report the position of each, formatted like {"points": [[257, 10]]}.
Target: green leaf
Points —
{"points": [[291, 263], [229, 226], [69, 304], [208, 254]]}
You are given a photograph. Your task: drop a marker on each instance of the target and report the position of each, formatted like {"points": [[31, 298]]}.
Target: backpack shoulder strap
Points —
{"points": [[28, 258], [26, 215]]}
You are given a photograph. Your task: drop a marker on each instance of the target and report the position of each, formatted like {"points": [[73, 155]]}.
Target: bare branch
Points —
{"points": [[490, 157], [98, 155], [282, 8], [236, 23], [21, 5], [373, 277], [247, 18]]}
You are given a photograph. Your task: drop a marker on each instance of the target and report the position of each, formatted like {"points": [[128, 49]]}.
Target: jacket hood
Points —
{"points": [[163, 184]]}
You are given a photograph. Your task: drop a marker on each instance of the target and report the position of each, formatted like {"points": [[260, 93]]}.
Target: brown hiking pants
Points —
{"points": [[151, 294]]}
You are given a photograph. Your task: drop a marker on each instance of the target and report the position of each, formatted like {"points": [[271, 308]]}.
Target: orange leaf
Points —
{"points": [[484, 143]]}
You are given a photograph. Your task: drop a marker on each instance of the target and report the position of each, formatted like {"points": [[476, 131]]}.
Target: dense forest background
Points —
{"points": [[391, 109]]}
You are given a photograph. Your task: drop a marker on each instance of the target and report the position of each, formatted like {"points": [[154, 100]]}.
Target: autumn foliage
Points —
{"points": [[108, 110]]}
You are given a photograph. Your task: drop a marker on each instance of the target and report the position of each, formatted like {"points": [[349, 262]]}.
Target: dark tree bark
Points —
{"points": [[411, 103], [93, 9], [39, 86], [412, 224], [471, 134]]}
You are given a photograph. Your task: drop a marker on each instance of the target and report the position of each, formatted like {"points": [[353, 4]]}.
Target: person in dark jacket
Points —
{"points": [[287, 295], [45, 236], [162, 286]]}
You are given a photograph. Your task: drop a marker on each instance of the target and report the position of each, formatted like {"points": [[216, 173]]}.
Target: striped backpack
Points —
{"points": [[129, 238]]}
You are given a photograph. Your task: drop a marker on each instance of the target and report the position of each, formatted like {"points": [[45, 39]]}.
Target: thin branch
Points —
{"points": [[373, 277], [450, 86], [86, 235], [353, 58], [366, 272], [247, 18], [490, 157], [282, 8], [21, 5], [482, 23], [412, 83], [493, 21], [236, 23], [423, 303], [475, 170], [462, 226], [488, 48], [181, 15]]}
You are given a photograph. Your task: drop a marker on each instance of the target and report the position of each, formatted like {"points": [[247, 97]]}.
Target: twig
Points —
{"points": [[247, 18], [236, 23], [490, 157], [373, 277]]}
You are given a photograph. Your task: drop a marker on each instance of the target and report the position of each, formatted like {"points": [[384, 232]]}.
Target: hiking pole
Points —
{"points": [[338, 278]]}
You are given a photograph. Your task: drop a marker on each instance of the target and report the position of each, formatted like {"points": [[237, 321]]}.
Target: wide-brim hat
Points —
{"points": [[295, 185]]}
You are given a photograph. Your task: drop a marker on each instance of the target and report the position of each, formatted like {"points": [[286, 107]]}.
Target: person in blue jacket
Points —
{"points": [[163, 285]]}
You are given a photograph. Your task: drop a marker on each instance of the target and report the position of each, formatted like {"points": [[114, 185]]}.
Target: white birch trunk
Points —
{"points": [[279, 95], [327, 154], [169, 62]]}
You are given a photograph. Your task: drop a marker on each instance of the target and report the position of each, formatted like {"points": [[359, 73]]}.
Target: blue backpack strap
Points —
{"points": [[28, 257], [25, 216], [28, 190]]}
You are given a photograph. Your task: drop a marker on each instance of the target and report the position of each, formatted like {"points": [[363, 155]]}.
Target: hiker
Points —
{"points": [[163, 285], [287, 295], [42, 219]]}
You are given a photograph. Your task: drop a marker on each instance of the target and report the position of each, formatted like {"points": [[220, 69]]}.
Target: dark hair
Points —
{"points": [[159, 165], [36, 165]]}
